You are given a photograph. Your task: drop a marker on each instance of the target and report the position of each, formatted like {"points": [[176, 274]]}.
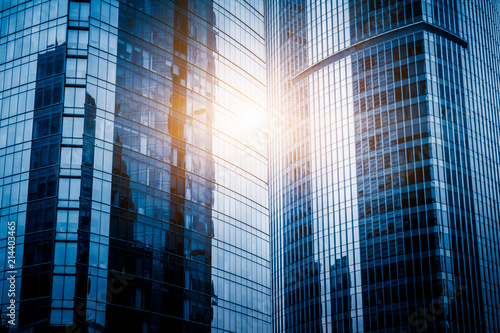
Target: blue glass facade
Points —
{"points": [[133, 159], [383, 165]]}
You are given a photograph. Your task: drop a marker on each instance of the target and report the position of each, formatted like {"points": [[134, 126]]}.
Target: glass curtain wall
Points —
{"points": [[133, 159], [400, 98]]}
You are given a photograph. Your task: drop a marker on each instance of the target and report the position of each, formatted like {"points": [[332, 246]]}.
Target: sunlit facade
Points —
{"points": [[133, 161], [384, 162]]}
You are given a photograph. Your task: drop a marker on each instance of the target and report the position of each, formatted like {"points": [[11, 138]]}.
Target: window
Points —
{"points": [[45, 152], [78, 39], [47, 122]]}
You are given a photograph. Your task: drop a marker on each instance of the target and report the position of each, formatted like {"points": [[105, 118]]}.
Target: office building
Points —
{"points": [[384, 182], [133, 161]]}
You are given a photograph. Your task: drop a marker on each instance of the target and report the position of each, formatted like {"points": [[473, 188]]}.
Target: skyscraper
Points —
{"points": [[133, 163], [384, 162]]}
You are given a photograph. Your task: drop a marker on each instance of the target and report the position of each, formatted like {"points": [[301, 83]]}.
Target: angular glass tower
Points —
{"points": [[384, 162], [133, 163]]}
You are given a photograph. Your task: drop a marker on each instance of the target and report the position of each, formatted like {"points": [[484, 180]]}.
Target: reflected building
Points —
{"points": [[400, 146], [340, 282], [133, 159], [296, 273]]}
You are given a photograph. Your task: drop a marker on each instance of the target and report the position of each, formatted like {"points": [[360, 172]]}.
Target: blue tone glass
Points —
{"points": [[382, 194], [133, 159]]}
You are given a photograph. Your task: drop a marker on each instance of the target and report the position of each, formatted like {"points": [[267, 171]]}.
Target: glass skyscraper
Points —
{"points": [[384, 165], [133, 161]]}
